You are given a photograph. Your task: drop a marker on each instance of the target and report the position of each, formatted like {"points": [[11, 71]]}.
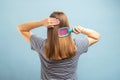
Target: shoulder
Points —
{"points": [[36, 41], [36, 38], [82, 44], [83, 41]]}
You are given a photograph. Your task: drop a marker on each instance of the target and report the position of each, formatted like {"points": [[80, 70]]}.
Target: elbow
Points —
{"points": [[94, 39], [98, 36], [19, 27]]}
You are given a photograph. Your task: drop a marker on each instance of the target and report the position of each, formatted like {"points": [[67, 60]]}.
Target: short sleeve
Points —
{"points": [[82, 45], [36, 42]]}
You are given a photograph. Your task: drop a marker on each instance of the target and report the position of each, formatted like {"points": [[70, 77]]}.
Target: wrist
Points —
{"points": [[42, 22]]}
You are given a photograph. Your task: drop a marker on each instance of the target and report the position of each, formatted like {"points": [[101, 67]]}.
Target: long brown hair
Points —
{"points": [[59, 48]]}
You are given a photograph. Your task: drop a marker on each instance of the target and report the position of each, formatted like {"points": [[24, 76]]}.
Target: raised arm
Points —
{"points": [[92, 35], [24, 29]]}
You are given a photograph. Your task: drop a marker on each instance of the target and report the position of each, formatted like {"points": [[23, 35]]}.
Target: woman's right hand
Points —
{"points": [[77, 29], [50, 22]]}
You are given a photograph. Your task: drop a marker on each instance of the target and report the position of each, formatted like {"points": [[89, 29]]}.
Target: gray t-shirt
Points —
{"points": [[61, 69]]}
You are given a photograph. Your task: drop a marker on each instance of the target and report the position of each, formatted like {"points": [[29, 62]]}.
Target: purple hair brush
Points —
{"points": [[64, 32]]}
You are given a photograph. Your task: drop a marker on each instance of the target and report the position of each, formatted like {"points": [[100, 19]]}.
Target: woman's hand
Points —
{"points": [[50, 22], [77, 29], [92, 35]]}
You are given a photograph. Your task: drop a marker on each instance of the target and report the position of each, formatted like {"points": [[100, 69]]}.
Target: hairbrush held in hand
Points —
{"points": [[64, 32]]}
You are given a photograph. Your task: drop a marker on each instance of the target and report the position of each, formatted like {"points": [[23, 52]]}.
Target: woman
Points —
{"points": [[58, 56]]}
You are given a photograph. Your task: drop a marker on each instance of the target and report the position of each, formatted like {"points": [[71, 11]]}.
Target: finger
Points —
{"points": [[51, 26], [56, 22], [53, 23], [52, 19], [74, 30], [77, 29]]}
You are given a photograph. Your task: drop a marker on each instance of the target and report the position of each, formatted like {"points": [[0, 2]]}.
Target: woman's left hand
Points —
{"points": [[50, 22]]}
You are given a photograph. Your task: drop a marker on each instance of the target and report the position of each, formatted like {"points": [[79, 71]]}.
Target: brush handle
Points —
{"points": [[70, 30]]}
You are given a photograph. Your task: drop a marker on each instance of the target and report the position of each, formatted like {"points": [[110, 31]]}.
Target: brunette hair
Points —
{"points": [[59, 48]]}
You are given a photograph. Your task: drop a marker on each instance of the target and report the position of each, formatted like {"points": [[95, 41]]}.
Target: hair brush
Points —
{"points": [[64, 32]]}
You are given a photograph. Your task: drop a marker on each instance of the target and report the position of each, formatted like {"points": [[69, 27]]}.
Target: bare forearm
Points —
{"points": [[30, 25], [90, 33]]}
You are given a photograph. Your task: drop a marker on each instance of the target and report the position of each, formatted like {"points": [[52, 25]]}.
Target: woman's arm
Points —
{"points": [[24, 29], [92, 35]]}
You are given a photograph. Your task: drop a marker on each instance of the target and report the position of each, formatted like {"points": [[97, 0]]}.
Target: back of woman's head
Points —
{"points": [[61, 17], [59, 48]]}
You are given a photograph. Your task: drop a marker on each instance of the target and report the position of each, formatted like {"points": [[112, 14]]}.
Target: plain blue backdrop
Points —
{"points": [[101, 62]]}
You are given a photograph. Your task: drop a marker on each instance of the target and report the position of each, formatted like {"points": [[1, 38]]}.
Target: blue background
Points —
{"points": [[101, 62]]}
